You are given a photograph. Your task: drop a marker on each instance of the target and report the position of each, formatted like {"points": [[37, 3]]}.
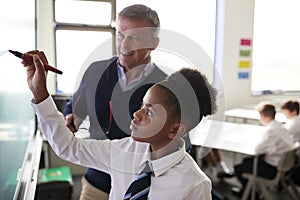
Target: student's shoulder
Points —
{"points": [[192, 169], [277, 130], [129, 145], [297, 120]]}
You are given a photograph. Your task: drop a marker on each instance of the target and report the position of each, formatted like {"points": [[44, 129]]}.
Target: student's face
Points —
{"points": [[288, 114], [264, 120], [151, 123], [134, 42]]}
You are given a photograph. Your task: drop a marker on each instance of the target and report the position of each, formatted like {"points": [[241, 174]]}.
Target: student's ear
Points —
{"points": [[177, 131], [294, 112]]}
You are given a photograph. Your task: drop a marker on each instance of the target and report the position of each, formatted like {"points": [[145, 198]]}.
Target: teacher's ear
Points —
{"points": [[154, 43]]}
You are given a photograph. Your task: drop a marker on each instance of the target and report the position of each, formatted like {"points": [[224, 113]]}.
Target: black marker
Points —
{"points": [[29, 59]]}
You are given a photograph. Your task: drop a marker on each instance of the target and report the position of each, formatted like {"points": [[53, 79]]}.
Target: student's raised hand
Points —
{"points": [[36, 78]]}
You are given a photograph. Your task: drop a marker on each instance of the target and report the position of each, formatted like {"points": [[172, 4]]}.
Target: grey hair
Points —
{"points": [[139, 11]]}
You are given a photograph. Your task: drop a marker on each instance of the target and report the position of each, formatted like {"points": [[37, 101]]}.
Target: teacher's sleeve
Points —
{"points": [[86, 152]]}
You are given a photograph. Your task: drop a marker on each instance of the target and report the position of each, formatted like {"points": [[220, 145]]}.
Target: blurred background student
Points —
{"points": [[274, 142], [291, 110]]}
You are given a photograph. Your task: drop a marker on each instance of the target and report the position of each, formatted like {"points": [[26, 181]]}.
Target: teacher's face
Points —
{"points": [[134, 42]]}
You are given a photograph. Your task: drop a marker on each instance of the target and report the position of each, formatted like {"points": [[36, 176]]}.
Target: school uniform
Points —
{"points": [[293, 125], [106, 98], [175, 176], [274, 142]]}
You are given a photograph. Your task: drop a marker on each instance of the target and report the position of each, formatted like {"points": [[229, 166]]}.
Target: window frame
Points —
{"points": [[85, 27]]}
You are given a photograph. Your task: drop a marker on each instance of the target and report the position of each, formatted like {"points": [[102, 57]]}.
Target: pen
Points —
{"points": [[29, 59]]}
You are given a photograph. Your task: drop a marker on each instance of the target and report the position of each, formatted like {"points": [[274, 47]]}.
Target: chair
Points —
{"points": [[284, 169]]}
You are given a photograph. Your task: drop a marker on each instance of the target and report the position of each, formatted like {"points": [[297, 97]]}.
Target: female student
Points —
{"points": [[170, 109]]}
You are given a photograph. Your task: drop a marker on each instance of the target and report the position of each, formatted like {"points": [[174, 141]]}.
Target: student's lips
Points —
{"points": [[133, 126]]}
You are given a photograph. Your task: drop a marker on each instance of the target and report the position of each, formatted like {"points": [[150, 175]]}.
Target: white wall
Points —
{"points": [[238, 23]]}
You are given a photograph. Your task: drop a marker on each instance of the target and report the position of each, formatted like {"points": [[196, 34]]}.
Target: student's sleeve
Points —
{"points": [[200, 191], [89, 153]]}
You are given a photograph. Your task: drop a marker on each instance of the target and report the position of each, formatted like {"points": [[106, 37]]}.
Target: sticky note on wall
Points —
{"points": [[245, 53], [243, 75], [246, 42], [244, 64]]}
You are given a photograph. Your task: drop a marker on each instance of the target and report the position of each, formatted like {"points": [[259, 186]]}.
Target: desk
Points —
{"points": [[250, 114], [239, 138]]}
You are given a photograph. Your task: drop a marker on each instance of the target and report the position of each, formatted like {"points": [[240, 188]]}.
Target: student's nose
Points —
{"points": [[138, 115]]}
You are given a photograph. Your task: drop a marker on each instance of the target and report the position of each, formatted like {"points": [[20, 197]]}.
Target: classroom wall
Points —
{"points": [[238, 24]]}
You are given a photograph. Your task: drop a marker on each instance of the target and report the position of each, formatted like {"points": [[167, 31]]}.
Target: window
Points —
{"points": [[17, 33], [83, 12], [80, 27], [276, 41]]}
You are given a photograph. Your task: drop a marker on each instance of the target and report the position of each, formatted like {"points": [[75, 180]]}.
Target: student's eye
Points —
{"points": [[148, 112]]}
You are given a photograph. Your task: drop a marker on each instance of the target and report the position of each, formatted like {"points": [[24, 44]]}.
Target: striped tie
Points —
{"points": [[139, 188]]}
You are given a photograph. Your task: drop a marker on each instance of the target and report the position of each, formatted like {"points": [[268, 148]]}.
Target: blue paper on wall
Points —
{"points": [[243, 75]]}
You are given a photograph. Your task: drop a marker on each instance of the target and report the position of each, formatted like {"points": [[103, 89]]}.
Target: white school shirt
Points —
{"points": [[176, 176], [293, 125], [274, 142]]}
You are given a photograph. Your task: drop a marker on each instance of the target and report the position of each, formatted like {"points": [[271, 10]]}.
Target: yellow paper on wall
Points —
{"points": [[244, 64]]}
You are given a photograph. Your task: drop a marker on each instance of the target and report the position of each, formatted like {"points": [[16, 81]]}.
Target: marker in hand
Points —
{"points": [[29, 59]]}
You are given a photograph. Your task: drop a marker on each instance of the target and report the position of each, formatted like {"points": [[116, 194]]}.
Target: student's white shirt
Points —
{"points": [[176, 176], [274, 142], [293, 125]]}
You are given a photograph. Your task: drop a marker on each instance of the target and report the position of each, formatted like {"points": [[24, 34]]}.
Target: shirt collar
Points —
{"points": [[161, 165], [122, 78]]}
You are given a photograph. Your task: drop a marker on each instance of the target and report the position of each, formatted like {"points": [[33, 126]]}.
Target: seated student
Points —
{"points": [[291, 110], [170, 109], [274, 142]]}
